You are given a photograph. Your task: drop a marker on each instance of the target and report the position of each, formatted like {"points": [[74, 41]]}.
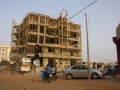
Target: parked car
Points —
{"points": [[81, 71]]}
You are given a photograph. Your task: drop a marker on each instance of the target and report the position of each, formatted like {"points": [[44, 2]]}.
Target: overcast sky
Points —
{"points": [[104, 17]]}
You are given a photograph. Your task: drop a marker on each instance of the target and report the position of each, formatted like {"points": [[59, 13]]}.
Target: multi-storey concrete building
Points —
{"points": [[4, 52], [59, 39]]}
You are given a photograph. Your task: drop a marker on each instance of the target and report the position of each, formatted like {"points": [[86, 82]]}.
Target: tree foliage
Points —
{"points": [[4, 63]]}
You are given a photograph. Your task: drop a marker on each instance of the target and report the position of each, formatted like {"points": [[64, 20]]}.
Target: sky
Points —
{"points": [[103, 18]]}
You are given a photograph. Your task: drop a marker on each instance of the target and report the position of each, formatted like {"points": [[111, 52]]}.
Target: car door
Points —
{"points": [[78, 71], [84, 71], [74, 71]]}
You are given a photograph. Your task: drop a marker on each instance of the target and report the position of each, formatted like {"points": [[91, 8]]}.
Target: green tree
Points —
{"points": [[4, 63]]}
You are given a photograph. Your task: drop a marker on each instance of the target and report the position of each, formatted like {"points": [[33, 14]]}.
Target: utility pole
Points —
{"points": [[88, 58], [34, 72]]}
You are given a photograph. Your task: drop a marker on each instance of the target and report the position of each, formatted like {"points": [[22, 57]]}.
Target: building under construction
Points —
{"points": [[59, 39]]}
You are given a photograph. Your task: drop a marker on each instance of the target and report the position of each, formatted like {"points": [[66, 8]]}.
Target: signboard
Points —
{"points": [[37, 63], [34, 62], [25, 64]]}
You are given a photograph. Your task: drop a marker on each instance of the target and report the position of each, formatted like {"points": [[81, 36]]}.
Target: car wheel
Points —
{"points": [[69, 76], [95, 76]]}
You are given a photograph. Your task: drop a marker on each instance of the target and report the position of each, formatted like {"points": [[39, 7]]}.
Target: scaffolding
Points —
{"points": [[58, 38]]}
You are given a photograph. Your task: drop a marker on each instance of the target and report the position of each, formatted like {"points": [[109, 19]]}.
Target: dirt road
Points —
{"points": [[24, 82]]}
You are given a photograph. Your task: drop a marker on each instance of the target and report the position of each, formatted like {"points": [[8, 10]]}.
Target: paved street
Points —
{"points": [[25, 82]]}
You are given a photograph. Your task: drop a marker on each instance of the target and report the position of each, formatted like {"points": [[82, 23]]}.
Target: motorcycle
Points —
{"points": [[54, 76], [114, 73], [110, 72], [49, 77]]}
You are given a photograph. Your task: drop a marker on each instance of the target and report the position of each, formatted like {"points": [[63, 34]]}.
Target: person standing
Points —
{"points": [[94, 65], [56, 67]]}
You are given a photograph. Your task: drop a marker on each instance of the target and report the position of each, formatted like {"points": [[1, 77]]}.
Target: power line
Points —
{"points": [[83, 9], [99, 58], [101, 51], [69, 17], [102, 58]]}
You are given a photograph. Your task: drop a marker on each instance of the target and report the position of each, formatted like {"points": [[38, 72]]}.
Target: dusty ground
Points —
{"points": [[24, 82]]}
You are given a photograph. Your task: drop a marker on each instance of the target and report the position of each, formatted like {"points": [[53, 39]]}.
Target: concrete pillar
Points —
{"points": [[118, 53], [38, 34], [45, 62]]}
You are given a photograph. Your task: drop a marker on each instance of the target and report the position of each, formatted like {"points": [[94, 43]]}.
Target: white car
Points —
{"points": [[81, 71]]}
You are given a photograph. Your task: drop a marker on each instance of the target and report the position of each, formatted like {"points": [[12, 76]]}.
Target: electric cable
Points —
{"points": [[83, 9], [99, 58], [101, 51], [69, 17]]}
